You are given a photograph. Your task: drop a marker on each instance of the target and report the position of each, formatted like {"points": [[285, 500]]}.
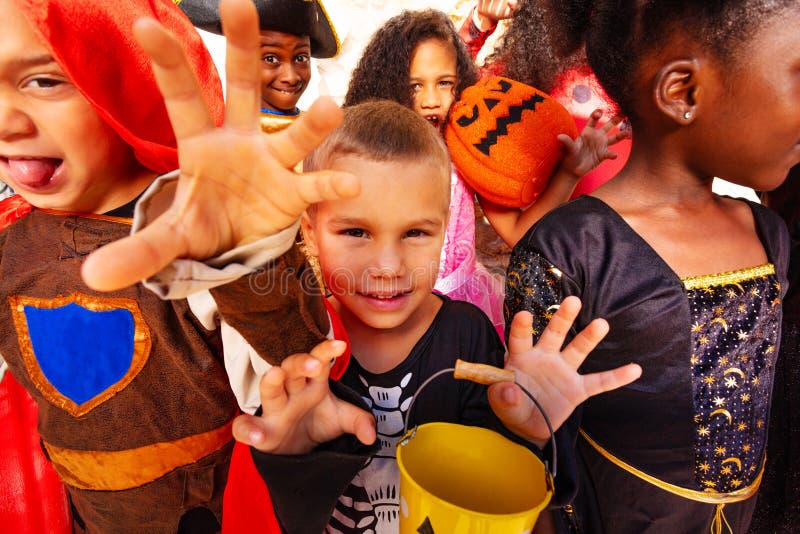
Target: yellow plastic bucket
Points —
{"points": [[457, 479]]}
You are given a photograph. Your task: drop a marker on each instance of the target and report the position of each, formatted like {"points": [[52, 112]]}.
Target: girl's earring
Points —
{"points": [[687, 115]]}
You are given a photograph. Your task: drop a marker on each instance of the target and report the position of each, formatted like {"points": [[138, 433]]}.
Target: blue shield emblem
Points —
{"points": [[81, 350]]}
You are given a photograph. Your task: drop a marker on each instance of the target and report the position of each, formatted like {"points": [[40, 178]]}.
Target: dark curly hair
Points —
{"points": [[382, 72], [537, 47], [616, 35]]}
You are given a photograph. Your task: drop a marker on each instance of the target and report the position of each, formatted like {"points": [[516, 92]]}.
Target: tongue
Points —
{"points": [[32, 172]]}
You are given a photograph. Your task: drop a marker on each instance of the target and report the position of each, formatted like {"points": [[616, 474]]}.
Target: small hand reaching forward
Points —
{"points": [[299, 410], [236, 184], [591, 147], [551, 374]]}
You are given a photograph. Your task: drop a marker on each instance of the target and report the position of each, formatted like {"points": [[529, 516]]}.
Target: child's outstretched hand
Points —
{"points": [[299, 410], [489, 12], [236, 184], [551, 374], [591, 147]]}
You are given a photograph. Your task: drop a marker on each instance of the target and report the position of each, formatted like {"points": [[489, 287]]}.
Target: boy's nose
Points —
{"points": [[388, 263], [289, 75], [13, 121]]}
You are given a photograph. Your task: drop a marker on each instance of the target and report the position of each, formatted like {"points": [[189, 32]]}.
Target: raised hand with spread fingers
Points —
{"points": [[236, 185], [550, 373]]}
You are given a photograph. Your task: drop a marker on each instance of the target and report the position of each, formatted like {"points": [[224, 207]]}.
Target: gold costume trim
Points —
{"points": [[95, 216], [709, 497], [121, 470], [732, 277], [141, 345], [271, 124]]}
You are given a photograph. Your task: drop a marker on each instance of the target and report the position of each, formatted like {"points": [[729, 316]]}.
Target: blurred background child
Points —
{"points": [[292, 32]]}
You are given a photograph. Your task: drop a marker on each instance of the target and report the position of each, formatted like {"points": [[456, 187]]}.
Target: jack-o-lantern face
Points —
{"points": [[502, 136]]}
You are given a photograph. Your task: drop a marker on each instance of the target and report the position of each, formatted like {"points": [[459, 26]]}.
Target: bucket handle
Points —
{"points": [[487, 375]]}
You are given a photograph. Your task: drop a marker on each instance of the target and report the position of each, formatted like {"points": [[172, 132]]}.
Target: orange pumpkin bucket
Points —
{"points": [[458, 479]]}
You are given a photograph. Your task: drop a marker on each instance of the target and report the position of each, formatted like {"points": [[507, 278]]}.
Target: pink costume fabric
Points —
{"points": [[461, 276]]}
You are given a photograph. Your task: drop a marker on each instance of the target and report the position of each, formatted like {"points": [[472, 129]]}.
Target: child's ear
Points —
{"points": [[309, 237], [676, 90]]}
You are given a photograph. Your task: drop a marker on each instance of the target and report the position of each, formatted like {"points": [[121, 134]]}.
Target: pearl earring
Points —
{"points": [[687, 115]]}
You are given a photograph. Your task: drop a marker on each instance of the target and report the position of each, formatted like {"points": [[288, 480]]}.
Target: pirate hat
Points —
{"points": [[298, 17]]}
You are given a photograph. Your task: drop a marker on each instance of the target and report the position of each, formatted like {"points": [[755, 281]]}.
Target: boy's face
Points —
{"points": [[433, 79], [285, 69], [54, 149], [379, 252]]}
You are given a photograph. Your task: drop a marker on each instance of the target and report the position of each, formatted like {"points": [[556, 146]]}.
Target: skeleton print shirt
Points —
{"points": [[370, 505]]}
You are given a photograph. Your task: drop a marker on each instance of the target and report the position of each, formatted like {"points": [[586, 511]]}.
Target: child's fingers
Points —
{"points": [[585, 342], [242, 71], [315, 366], [186, 106], [325, 353], [291, 145], [616, 137], [594, 118], [125, 262], [596, 383], [249, 430], [273, 391], [319, 186], [520, 338], [612, 123], [552, 339], [354, 420], [299, 368], [570, 144], [506, 401]]}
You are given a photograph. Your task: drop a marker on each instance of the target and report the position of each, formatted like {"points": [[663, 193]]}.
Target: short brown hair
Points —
{"points": [[382, 130]]}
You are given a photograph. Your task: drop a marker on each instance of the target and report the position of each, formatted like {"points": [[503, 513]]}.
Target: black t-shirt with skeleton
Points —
{"points": [[460, 330]]}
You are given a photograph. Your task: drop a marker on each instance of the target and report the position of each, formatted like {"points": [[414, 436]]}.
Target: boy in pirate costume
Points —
{"points": [[292, 31], [135, 405]]}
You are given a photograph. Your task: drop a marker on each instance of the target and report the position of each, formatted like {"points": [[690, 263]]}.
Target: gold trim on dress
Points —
{"points": [[709, 496], [141, 345], [121, 470], [732, 277]]}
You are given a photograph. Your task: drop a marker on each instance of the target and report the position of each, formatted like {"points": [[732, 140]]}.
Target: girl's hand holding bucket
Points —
{"points": [[551, 374]]}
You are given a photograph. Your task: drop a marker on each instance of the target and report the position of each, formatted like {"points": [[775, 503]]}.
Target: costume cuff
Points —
{"points": [[304, 488], [183, 277]]}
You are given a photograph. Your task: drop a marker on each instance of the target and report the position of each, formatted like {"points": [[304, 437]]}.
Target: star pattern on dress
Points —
{"points": [[733, 334]]}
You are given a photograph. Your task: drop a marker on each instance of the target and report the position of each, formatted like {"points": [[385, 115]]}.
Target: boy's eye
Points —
{"points": [[354, 232], [416, 233], [302, 58], [43, 83], [270, 58]]}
